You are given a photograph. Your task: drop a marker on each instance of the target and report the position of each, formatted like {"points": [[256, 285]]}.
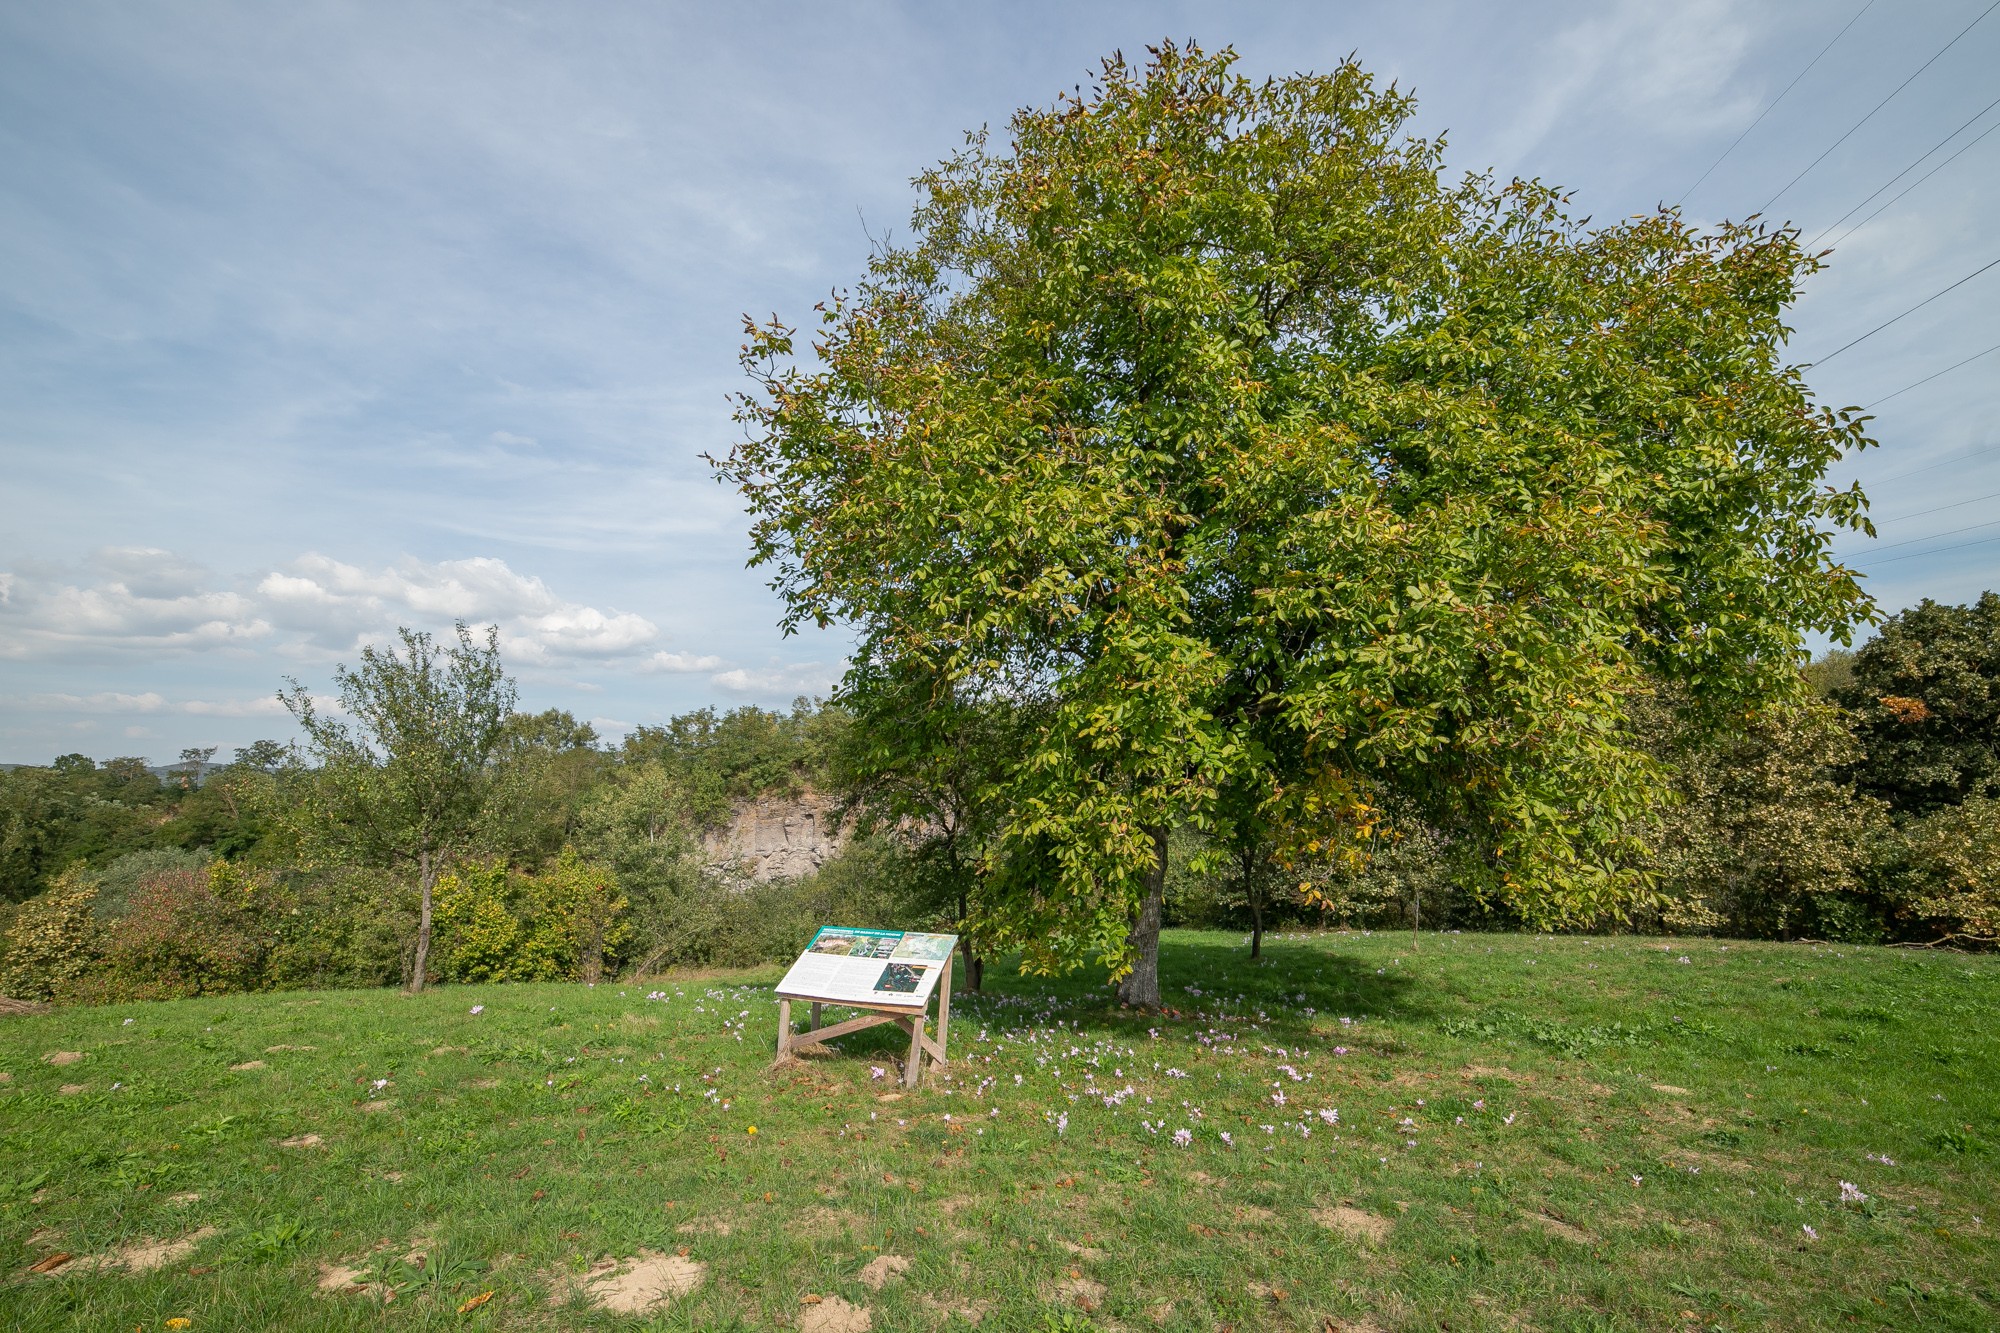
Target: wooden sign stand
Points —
{"points": [[910, 1019]]}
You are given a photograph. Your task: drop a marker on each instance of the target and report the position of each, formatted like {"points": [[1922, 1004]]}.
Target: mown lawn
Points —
{"points": [[1532, 1133]]}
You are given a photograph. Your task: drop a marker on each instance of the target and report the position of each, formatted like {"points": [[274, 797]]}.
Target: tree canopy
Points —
{"points": [[1207, 420]]}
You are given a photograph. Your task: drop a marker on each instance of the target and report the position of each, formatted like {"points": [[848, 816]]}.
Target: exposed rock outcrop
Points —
{"points": [[776, 836]]}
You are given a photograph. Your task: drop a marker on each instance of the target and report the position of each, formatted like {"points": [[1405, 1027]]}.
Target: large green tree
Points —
{"points": [[1206, 420], [404, 772], [1925, 694]]}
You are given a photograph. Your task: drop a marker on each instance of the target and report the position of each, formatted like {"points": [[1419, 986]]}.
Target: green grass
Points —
{"points": [[1551, 1134]]}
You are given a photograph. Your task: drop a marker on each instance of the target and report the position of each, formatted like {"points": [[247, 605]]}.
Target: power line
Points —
{"points": [[1949, 532], [1768, 106], [1891, 202], [1911, 311], [1879, 105], [1914, 555], [1955, 504], [1906, 171], [1926, 380], [1947, 462]]}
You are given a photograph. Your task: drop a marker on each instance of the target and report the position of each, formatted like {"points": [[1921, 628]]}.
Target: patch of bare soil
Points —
{"points": [[63, 1058], [1084, 1293], [72, 1089], [821, 1223], [947, 1306], [1360, 1324], [1671, 1090], [1161, 1313], [1252, 1213], [484, 1083], [183, 1200], [831, 1314], [273, 1050], [711, 1227], [335, 1278], [247, 1064], [146, 1255], [882, 1270], [1264, 1291], [6, 1077], [1354, 1223], [634, 1286], [1203, 1178], [1555, 1226], [370, 1108], [301, 1141], [11, 1006], [1491, 1071], [450, 1050], [1086, 1252]]}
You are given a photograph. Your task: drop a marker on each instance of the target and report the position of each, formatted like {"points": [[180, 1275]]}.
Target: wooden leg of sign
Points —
{"points": [[913, 1071], [784, 1031], [815, 1026], [944, 1007]]}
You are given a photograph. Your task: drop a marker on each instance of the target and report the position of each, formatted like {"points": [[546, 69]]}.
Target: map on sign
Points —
{"points": [[850, 965]]}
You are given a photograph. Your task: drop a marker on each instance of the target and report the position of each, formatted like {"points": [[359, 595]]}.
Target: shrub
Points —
{"points": [[119, 881], [54, 938], [495, 925], [188, 932], [1950, 872]]}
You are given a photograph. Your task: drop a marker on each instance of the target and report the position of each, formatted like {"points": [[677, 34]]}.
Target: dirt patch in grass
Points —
{"points": [[822, 1223], [72, 1089], [1555, 1226], [1354, 1223], [247, 1064], [1256, 1215], [832, 1314], [450, 1050], [1084, 1293], [183, 1200], [370, 1108], [711, 1227], [301, 1141], [273, 1050], [63, 1058], [883, 1269], [1362, 1324], [144, 1256], [483, 1084], [944, 1307], [1671, 1090], [1495, 1071], [636, 1285]]}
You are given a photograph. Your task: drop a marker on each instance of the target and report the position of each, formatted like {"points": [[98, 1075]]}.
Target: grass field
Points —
{"points": [[1531, 1133]]}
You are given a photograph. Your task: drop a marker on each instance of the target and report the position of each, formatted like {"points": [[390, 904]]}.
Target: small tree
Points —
{"points": [[402, 782], [1925, 693]]}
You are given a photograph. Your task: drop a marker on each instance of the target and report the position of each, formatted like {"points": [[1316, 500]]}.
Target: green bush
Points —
{"points": [[1948, 874], [54, 939], [492, 924], [187, 932]]}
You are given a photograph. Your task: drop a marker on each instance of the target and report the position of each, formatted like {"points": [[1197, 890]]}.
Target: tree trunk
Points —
{"points": [[1141, 986], [426, 877], [1253, 889], [975, 966]]}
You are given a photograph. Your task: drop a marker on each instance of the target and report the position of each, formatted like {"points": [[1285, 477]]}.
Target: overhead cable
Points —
{"points": [[1878, 106], [1906, 171], [1914, 555], [1891, 201], [1768, 106], [1911, 311], [1948, 532], [1955, 504], [1947, 462], [1927, 379]]}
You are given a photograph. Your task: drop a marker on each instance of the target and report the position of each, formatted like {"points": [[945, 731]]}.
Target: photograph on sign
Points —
{"points": [[850, 965]]}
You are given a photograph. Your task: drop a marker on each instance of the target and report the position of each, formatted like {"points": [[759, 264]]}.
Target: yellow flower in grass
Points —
{"points": [[179, 1321], [751, 1130]]}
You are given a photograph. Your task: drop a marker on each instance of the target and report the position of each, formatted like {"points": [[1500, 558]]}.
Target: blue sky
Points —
{"points": [[317, 319]]}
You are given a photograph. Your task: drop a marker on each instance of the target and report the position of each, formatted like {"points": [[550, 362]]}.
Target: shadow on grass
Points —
{"points": [[1290, 990]]}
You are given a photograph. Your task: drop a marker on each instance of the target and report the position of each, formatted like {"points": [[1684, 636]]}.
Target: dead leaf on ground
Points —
{"points": [[51, 1263]]}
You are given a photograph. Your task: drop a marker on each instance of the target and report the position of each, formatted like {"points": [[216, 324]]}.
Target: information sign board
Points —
{"points": [[873, 968]]}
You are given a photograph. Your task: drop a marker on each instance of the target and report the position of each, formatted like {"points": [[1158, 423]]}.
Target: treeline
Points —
{"points": [[1866, 810]]}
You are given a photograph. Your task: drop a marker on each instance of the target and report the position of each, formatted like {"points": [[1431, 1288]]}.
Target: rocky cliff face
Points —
{"points": [[776, 836]]}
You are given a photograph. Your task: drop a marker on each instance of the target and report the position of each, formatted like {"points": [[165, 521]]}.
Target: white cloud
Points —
{"points": [[153, 702], [315, 606], [774, 681], [679, 662]]}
